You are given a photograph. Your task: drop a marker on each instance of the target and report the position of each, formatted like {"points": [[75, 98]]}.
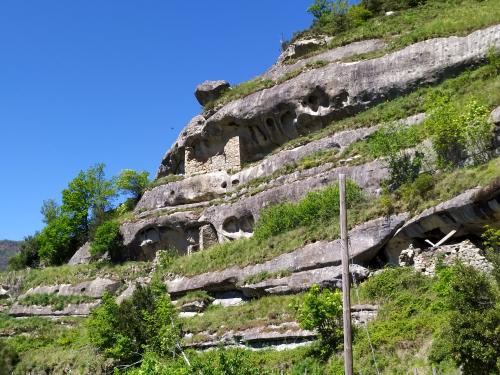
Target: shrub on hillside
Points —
{"points": [[314, 208], [28, 256], [471, 338], [491, 243], [146, 322], [322, 311], [107, 238], [132, 182], [458, 135]]}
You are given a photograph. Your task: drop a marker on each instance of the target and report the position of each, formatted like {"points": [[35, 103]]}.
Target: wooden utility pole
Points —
{"points": [[346, 292]]}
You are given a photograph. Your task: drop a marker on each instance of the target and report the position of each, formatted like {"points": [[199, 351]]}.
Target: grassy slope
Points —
{"points": [[434, 19]]}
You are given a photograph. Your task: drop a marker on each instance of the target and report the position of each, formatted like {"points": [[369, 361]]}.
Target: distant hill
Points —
{"points": [[7, 250]]}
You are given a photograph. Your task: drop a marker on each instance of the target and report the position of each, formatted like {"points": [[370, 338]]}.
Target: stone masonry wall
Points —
{"points": [[229, 160], [425, 260]]}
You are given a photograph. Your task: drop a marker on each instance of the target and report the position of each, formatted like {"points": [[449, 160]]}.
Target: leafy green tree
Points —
{"points": [[107, 238], [28, 256], [320, 8], [8, 358], [146, 322], [50, 210], [86, 200], [132, 182], [322, 310], [57, 241]]}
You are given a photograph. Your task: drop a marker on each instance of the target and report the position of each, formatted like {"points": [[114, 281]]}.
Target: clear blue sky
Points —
{"points": [[88, 81]]}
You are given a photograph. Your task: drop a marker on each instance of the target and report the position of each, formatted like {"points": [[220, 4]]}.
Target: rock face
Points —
{"points": [[280, 69], [210, 90], [82, 309], [425, 261], [467, 213], [94, 288], [82, 255], [271, 117], [366, 240]]}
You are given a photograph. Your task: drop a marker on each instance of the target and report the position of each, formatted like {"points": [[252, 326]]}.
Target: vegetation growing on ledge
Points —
{"points": [[424, 20], [57, 302]]}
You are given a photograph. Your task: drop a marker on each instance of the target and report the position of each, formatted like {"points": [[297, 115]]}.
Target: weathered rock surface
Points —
{"points": [[94, 288], [280, 69], [257, 337], [142, 238], [235, 220], [269, 118], [82, 255], [425, 260], [303, 46], [366, 240], [326, 277], [466, 213], [210, 90], [82, 309]]}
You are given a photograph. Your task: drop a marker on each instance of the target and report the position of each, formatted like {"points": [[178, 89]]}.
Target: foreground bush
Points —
{"points": [[144, 323]]}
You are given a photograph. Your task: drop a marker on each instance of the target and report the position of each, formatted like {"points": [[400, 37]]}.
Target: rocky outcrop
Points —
{"points": [[466, 213], [425, 260], [257, 337], [366, 240], [280, 69], [94, 288], [209, 91], [236, 220], [142, 238], [82, 255], [326, 277], [81, 309], [267, 119]]}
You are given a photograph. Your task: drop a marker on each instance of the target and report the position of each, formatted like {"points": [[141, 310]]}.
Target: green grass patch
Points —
{"points": [[164, 180], [57, 302], [431, 20], [265, 275], [67, 274]]}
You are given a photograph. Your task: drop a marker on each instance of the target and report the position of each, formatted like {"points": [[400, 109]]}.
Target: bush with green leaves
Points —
{"points": [[459, 134], [147, 322], [379, 6], [28, 256], [330, 14], [132, 182], [471, 338], [491, 243], [8, 358], [107, 238], [314, 208], [321, 310]]}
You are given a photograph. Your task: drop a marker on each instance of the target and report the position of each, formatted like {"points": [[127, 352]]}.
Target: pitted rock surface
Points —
{"points": [[366, 240], [269, 118]]}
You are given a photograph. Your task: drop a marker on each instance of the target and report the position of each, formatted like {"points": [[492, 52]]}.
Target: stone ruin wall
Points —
{"points": [[229, 159]]}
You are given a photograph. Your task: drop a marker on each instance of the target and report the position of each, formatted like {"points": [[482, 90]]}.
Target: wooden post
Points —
{"points": [[346, 296]]}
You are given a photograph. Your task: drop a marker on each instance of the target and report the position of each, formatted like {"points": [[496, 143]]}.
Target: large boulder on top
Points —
{"points": [[209, 91]]}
